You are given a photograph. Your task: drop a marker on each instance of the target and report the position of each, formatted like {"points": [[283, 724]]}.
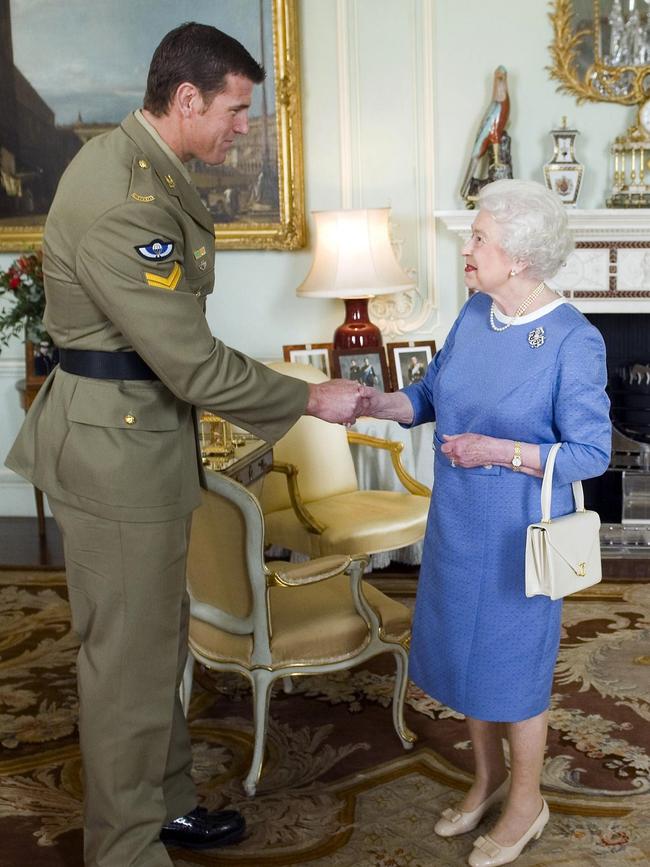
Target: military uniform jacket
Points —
{"points": [[128, 260]]}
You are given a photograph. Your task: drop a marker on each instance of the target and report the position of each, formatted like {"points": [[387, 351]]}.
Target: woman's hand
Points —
{"points": [[476, 450], [394, 405]]}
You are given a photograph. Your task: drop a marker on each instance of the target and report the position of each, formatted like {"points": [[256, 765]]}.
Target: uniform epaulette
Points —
{"points": [[141, 188]]}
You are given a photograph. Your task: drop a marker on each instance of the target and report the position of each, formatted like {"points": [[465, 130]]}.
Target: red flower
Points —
{"points": [[14, 282]]}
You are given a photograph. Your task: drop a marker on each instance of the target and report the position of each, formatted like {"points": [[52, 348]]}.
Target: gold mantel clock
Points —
{"points": [[631, 158]]}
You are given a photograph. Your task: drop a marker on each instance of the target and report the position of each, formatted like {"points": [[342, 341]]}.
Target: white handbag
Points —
{"points": [[562, 554]]}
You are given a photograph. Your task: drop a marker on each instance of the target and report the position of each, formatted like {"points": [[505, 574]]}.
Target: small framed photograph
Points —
{"points": [[367, 366], [319, 355], [408, 361]]}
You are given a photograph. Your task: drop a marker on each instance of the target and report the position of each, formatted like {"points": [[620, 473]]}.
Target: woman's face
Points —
{"points": [[487, 265]]}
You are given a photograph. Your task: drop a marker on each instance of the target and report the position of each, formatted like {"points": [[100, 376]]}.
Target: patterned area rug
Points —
{"points": [[337, 788]]}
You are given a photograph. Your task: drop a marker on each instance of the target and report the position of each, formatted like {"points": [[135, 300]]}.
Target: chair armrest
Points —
{"points": [[395, 448], [295, 574], [309, 522]]}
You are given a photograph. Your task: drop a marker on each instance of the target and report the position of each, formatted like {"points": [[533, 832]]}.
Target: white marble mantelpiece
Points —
{"points": [[609, 271]]}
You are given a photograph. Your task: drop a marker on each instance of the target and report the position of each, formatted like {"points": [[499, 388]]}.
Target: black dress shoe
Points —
{"points": [[202, 830]]}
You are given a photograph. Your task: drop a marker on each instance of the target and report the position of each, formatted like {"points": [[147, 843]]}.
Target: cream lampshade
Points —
{"points": [[354, 260]]}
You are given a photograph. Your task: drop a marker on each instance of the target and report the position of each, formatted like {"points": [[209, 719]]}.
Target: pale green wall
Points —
{"points": [[391, 43]]}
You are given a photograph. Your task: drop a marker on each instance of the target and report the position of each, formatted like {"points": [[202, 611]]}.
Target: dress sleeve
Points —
{"points": [[421, 393], [580, 408], [153, 306]]}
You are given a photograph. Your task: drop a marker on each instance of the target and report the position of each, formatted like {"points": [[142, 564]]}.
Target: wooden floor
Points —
{"points": [[22, 548]]}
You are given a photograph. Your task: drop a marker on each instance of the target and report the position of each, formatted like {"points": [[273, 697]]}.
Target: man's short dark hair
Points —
{"points": [[200, 54]]}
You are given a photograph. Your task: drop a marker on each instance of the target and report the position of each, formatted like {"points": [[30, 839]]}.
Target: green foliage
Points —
{"points": [[22, 283]]}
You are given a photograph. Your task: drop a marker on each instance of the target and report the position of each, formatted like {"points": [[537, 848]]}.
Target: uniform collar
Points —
{"points": [[172, 178], [162, 144]]}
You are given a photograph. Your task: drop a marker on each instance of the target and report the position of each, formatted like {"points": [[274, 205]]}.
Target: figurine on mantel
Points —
{"points": [[491, 139], [563, 173]]}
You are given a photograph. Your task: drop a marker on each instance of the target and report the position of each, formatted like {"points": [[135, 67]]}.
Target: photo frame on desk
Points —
{"points": [[367, 366], [408, 361], [319, 355]]}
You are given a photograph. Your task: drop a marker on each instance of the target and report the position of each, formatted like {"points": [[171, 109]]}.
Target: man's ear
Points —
{"points": [[187, 99]]}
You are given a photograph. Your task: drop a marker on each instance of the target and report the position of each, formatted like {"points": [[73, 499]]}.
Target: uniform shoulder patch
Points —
{"points": [[157, 250]]}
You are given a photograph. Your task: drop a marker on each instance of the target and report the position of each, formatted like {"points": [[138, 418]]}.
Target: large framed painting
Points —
{"points": [[70, 71]]}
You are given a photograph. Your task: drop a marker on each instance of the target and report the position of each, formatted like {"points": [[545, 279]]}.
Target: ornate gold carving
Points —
{"points": [[309, 522], [600, 83], [395, 448]]}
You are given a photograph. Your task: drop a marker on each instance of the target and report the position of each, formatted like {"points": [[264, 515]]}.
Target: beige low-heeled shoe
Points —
{"points": [[453, 822], [487, 853]]}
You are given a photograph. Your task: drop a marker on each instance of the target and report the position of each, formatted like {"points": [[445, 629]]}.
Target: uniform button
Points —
{"points": [[143, 164], [198, 293], [129, 418]]}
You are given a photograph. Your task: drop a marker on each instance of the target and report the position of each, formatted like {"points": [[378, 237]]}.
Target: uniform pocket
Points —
{"points": [[123, 446]]}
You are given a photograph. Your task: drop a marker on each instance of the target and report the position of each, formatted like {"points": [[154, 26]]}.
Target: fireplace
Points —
{"points": [[622, 494]]}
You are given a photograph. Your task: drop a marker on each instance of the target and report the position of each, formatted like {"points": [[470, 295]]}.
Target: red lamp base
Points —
{"points": [[357, 332]]}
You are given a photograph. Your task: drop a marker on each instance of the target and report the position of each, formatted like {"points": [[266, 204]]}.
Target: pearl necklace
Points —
{"points": [[519, 311]]}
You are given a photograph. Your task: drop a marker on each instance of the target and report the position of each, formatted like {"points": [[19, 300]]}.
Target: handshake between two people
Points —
{"points": [[343, 401]]}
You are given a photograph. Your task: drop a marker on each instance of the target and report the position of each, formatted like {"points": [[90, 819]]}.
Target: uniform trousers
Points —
{"points": [[130, 609]]}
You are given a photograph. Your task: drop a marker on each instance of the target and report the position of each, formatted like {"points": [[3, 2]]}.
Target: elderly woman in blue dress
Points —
{"points": [[521, 369]]}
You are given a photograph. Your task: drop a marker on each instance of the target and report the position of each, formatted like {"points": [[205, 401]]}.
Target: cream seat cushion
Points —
{"points": [[391, 519]]}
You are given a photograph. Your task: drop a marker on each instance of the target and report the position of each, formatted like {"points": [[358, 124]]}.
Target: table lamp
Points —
{"points": [[354, 260]]}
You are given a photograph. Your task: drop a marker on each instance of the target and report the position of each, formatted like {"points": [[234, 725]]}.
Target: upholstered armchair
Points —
{"points": [[278, 620], [312, 503]]}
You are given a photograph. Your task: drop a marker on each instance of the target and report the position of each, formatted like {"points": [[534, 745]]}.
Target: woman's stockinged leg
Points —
{"points": [[527, 741], [489, 762]]}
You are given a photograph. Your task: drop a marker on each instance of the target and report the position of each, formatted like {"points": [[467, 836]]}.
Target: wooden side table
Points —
{"points": [[28, 390]]}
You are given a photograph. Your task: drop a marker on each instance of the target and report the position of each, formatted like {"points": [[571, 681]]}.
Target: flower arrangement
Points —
{"points": [[23, 284]]}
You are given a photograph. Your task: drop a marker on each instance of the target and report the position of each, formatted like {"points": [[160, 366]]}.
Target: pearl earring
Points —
{"points": [[513, 273]]}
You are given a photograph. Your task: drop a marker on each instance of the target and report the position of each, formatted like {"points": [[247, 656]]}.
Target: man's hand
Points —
{"points": [[337, 400]]}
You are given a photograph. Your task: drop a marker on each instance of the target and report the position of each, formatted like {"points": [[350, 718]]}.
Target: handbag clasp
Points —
{"points": [[581, 570]]}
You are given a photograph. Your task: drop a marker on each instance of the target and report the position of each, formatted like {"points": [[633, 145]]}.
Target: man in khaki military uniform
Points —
{"points": [[111, 438]]}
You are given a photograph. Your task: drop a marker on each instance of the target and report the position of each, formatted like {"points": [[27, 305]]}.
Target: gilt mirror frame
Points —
{"points": [[600, 82], [287, 230]]}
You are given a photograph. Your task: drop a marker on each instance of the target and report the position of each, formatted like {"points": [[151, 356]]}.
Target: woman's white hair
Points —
{"points": [[534, 224]]}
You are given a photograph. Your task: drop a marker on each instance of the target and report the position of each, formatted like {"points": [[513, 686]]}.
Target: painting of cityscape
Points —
{"points": [[70, 71]]}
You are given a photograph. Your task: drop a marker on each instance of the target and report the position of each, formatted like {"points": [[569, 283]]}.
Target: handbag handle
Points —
{"points": [[547, 486]]}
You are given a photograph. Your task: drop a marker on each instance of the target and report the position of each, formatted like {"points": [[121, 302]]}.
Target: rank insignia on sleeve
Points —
{"points": [[170, 282], [157, 250]]}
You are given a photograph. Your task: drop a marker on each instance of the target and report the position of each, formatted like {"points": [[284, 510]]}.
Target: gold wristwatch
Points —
{"points": [[516, 458]]}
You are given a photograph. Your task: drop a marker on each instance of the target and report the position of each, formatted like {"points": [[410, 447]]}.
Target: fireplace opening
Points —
{"points": [[622, 495]]}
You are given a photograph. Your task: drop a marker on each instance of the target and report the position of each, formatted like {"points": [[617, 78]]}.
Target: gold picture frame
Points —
{"points": [[286, 229], [579, 62]]}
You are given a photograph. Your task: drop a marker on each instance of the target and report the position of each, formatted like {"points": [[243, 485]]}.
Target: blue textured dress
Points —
{"points": [[479, 644]]}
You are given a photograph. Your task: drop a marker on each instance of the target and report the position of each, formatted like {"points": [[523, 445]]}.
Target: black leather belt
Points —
{"points": [[104, 365]]}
